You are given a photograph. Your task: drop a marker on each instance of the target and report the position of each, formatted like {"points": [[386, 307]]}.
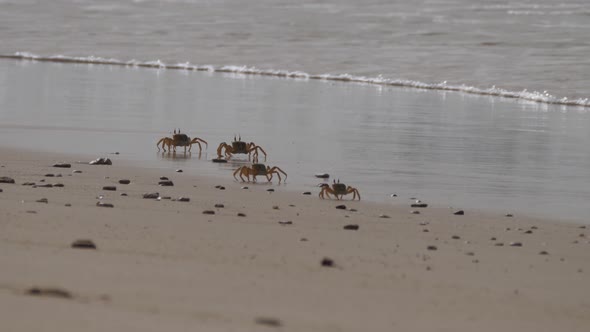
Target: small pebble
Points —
{"points": [[84, 244], [341, 207], [384, 216], [76, 171], [351, 227], [241, 214], [307, 193], [62, 165], [221, 188], [509, 215], [322, 175], [183, 199], [219, 206], [167, 183], [68, 204], [51, 292], [49, 175], [528, 232], [163, 178], [123, 194], [493, 239], [208, 212], [275, 207], [178, 171], [543, 253], [273, 322], [109, 188], [327, 262], [303, 239], [393, 195], [270, 190], [470, 253], [58, 185], [244, 187], [455, 237], [352, 210], [31, 211], [48, 185], [432, 248], [124, 181], [42, 200], [459, 213], [286, 222], [415, 212], [515, 244], [499, 244], [419, 205], [102, 204], [425, 230]]}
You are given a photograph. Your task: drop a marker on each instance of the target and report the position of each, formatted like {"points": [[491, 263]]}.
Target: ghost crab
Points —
{"points": [[258, 169], [239, 147], [338, 190], [179, 139]]}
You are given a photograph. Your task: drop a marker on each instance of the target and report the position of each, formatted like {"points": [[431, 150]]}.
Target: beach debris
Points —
{"points": [[307, 193], [384, 216], [268, 321], [419, 205], [240, 214], [101, 161], [270, 190], [42, 200], [515, 244], [322, 175], [83, 244], [124, 181], [62, 165], [327, 262], [178, 171], [6, 179], [219, 205], [76, 171], [102, 204], [432, 248], [286, 222], [415, 212], [208, 212], [455, 237], [341, 207], [543, 253], [459, 213], [50, 292], [151, 195], [351, 227], [167, 183], [109, 188], [183, 199]]}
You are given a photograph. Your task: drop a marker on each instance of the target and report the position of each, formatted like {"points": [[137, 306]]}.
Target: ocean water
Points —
{"points": [[468, 151], [471, 104], [533, 49]]}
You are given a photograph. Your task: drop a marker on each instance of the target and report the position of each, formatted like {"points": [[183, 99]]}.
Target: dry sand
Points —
{"points": [[166, 266]]}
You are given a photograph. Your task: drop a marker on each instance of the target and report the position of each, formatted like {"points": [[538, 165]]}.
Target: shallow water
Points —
{"points": [[532, 45], [446, 148]]}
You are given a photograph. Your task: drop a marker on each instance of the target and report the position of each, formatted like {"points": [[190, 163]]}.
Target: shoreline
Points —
{"points": [[166, 264]]}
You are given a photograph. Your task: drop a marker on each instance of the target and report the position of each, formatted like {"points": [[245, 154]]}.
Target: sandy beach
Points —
{"points": [[165, 265]]}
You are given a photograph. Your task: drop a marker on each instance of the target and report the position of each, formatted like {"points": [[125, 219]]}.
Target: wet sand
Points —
{"points": [[164, 265]]}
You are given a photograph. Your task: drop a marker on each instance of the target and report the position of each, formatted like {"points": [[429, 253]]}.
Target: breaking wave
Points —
{"points": [[541, 97]]}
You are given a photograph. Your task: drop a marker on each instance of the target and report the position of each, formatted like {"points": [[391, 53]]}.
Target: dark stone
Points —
{"points": [[219, 206], [351, 227], [241, 214], [352, 210], [124, 181], [543, 253], [384, 216], [341, 207], [163, 178], [244, 187], [419, 205], [151, 195], [58, 185], [6, 179], [509, 215], [50, 292], [123, 194], [48, 185], [499, 244], [221, 188], [1, 190], [49, 175], [83, 244], [28, 184], [76, 171], [102, 204], [459, 213], [62, 165], [42, 200], [415, 212], [270, 190], [178, 171], [455, 237], [515, 244], [68, 204], [109, 188], [286, 222], [166, 183], [267, 321], [307, 193], [322, 175], [219, 160], [327, 262], [208, 212], [528, 232], [425, 230], [184, 199], [493, 239], [101, 161], [432, 248]]}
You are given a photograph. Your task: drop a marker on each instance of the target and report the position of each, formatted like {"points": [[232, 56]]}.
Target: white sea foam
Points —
{"points": [[541, 97]]}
